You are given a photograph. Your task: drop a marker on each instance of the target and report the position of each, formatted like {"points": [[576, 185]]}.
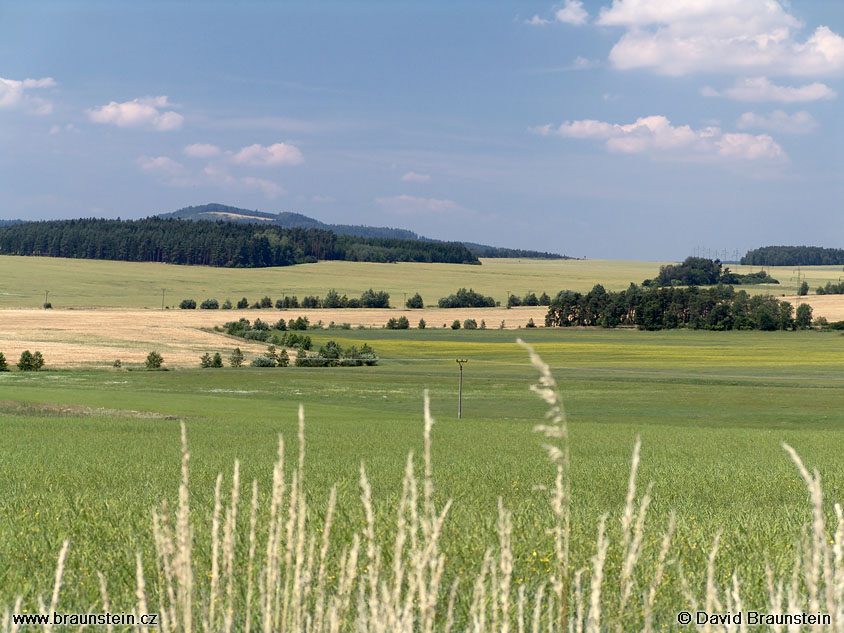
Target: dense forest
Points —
{"points": [[215, 211], [699, 271], [225, 244], [716, 308], [794, 256]]}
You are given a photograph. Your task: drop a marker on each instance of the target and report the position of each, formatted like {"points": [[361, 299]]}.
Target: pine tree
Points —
{"points": [[4, 366], [236, 359]]}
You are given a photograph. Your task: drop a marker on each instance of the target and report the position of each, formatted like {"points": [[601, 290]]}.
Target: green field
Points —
{"points": [[711, 410], [92, 283]]}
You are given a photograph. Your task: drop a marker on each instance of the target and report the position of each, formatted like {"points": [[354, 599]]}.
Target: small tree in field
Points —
{"points": [[422, 324], [283, 359], [4, 366], [804, 289], [530, 323], [30, 362], [205, 360], [455, 325], [803, 318], [415, 302], [236, 359], [217, 361], [402, 323], [470, 324], [154, 360], [243, 304]]}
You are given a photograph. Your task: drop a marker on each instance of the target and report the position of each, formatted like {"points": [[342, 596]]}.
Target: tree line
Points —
{"points": [[717, 308], [794, 256], [221, 244]]}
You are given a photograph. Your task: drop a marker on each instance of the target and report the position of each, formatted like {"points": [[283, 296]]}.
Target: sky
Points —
{"points": [[615, 129]]}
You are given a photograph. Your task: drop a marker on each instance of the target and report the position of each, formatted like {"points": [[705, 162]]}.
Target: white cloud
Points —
{"points": [[143, 112], [684, 36], [778, 121], [572, 13], [276, 154], [16, 94], [654, 135], [763, 89], [413, 205], [202, 150], [537, 21], [161, 164], [413, 176]]}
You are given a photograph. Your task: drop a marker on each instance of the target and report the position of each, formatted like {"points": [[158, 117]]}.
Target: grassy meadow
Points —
{"points": [[86, 455], [92, 283]]}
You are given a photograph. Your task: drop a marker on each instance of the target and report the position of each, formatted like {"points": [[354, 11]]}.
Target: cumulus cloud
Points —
{"points": [[413, 205], [778, 121], [763, 89], [143, 112], [17, 94], [413, 176], [572, 13], [655, 136], [685, 36], [269, 189], [269, 155], [202, 150]]}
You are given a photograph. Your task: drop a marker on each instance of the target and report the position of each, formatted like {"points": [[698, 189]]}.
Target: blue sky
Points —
{"points": [[623, 129]]}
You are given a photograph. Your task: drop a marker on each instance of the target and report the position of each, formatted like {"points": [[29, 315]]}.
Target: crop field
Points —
{"points": [[87, 454], [91, 283]]}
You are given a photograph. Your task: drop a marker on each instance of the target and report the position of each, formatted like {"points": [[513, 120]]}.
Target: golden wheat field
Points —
{"points": [[96, 338]]}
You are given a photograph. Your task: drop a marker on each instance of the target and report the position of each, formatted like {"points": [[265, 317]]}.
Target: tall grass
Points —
{"points": [[283, 571]]}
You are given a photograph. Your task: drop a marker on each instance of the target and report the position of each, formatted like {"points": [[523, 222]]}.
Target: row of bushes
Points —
{"points": [[332, 355], [28, 361], [369, 299]]}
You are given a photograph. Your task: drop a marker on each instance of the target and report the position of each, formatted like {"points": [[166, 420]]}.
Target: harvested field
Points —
{"points": [[829, 306], [96, 338]]}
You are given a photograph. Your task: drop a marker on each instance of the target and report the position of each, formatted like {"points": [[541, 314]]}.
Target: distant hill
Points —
{"points": [[290, 220], [11, 222]]}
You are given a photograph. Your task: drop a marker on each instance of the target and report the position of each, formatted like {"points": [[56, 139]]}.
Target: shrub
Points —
{"points": [[116, 364], [266, 302], [255, 306], [30, 362], [311, 302], [470, 324], [392, 324], [243, 304], [260, 325], [236, 358], [804, 289], [544, 299], [483, 324], [217, 361], [227, 305], [205, 360], [455, 325], [4, 365], [402, 323], [154, 360], [262, 361], [530, 323], [415, 302], [422, 324], [373, 299], [48, 306], [187, 304], [300, 323], [513, 301], [286, 303], [281, 324], [210, 304]]}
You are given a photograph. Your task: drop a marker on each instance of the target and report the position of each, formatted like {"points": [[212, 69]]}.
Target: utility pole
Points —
{"points": [[162, 297], [46, 294], [460, 362]]}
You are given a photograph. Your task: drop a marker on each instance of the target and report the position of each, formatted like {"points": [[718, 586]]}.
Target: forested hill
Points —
{"points": [[794, 256], [215, 211], [228, 244]]}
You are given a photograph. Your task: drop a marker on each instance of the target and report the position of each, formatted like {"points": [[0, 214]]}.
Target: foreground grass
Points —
{"points": [[711, 410]]}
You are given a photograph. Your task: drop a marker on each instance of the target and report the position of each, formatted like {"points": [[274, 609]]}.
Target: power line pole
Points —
{"points": [[162, 298], [460, 362], [46, 294]]}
